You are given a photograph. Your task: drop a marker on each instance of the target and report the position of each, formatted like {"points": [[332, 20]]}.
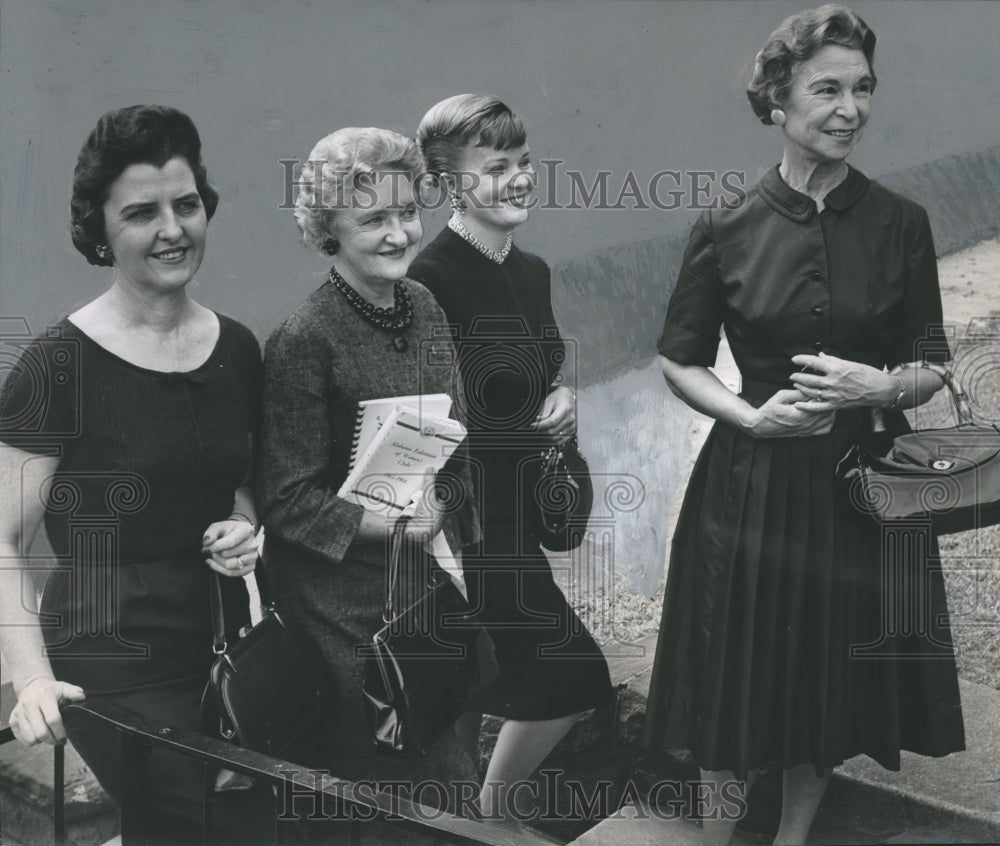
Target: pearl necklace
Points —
{"points": [[395, 320], [455, 225]]}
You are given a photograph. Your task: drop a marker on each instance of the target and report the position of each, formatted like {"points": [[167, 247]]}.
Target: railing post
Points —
{"points": [[59, 795], [207, 808], [135, 755]]}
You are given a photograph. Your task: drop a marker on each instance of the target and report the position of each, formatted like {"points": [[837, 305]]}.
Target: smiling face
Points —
{"points": [[378, 232], [827, 106], [495, 185], [155, 224]]}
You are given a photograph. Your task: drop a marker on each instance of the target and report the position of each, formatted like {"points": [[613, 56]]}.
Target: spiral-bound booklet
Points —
{"points": [[372, 413], [392, 468]]}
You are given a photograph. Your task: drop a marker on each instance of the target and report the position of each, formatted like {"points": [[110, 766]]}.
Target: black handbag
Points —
{"points": [[565, 496], [267, 690], [430, 661], [950, 476]]}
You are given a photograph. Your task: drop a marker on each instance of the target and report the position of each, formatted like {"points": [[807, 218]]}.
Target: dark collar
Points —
{"points": [[789, 202]]}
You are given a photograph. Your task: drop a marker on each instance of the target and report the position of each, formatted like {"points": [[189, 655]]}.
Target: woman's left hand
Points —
{"points": [[834, 383], [558, 414], [231, 547]]}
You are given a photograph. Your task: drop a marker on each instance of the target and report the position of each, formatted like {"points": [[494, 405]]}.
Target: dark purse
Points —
{"points": [[430, 661], [950, 476], [565, 496], [266, 691]]}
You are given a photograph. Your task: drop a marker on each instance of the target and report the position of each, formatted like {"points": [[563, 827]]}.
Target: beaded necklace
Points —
{"points": [[498, 256], [394, 320]]}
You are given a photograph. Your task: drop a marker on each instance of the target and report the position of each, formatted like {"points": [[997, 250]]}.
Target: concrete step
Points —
{"points": [[635, 825]]}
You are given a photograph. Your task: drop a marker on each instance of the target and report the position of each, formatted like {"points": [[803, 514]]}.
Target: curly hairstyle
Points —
{"points": [[143, 134], [481, 120], [334, 168], [797, 39]]}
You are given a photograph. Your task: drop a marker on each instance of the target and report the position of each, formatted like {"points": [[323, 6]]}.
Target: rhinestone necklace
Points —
{"points": [[395, 320], [455, 225]]}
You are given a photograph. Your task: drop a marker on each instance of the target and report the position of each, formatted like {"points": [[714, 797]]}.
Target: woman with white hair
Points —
{"points": [[361, 335]]}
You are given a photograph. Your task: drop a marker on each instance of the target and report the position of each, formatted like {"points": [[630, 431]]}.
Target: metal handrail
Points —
{"points": [[140, 732]]}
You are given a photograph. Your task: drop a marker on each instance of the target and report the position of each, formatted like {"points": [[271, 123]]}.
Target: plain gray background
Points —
{"points": [[604, 85]]}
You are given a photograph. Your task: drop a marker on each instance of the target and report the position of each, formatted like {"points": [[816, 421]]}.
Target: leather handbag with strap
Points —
{"points": [[949, 476], [564, 492], [266, 691], [430, 661], [565, 496]]}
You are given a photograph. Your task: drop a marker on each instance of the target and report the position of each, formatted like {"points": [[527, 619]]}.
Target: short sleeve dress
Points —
{"points": [[781, 641], [318, 365], [147, 461], [509, 353]]}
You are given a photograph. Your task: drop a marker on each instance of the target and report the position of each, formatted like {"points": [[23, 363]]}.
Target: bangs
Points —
{"points": [[499, 129]]}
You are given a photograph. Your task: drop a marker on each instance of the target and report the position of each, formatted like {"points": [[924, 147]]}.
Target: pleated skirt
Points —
{"points": [[795, 629]]}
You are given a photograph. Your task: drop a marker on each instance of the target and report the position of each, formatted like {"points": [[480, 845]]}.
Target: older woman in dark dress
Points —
{"points": [[328, 555], [773, 646]]}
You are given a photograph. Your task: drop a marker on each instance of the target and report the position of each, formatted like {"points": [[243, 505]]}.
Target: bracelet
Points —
{"points": [[899, 396], [246, 518]]}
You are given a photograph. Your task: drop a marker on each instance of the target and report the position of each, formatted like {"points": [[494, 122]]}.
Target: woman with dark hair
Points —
{"points": [[128, 428], [510, 355], [774, 647]]}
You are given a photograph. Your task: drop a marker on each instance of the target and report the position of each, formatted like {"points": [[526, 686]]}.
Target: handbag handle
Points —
{"points": [[396, 544], [217, 611], [556, 451], [959, 399]]}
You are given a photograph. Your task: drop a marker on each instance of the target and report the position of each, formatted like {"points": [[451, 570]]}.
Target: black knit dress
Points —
{"points": [[509, 351], [147, 461]]}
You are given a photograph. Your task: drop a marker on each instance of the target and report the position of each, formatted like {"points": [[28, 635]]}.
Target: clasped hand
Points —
{"points": [[830, 383], [782, 417], [230, 547], [426, 510], [824, 386], [557, 416]]}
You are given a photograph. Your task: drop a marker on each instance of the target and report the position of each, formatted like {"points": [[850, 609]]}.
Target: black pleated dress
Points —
{"points": [[795, 629]]}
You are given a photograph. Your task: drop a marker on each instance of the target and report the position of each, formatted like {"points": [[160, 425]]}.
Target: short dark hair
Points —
{"points": [[123, 137], [797, 39], [481, 120]]}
